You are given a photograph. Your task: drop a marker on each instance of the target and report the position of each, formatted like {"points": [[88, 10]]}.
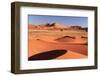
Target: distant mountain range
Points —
{"points": [[56, 26]]}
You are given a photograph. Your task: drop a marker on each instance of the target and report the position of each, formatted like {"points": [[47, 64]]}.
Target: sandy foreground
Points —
{"points": [[73, 41]]}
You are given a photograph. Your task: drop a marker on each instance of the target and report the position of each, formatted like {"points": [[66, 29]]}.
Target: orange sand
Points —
{"points": [[42, 42]]}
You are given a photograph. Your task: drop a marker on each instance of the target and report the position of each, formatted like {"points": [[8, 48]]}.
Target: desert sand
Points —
{"points": [[42, 40]]}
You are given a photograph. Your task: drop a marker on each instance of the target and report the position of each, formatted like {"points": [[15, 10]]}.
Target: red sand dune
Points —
{"points": [[73, 40], [66, 39], [75, 43], [75, 51]]}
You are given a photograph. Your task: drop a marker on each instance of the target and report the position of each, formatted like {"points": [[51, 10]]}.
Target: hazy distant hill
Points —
{"points": [[56, 26]]}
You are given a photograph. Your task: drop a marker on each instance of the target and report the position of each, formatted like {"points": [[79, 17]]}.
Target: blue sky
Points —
{"points": [[67, 20]]}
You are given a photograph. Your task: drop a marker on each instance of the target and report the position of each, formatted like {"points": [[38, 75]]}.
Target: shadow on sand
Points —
{"points": [[47, 55]]}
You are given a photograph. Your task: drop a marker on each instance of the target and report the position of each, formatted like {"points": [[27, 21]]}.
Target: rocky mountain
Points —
{"points": [[56, 26]]}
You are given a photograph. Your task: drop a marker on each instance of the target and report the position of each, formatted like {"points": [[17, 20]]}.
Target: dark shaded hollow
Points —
{"points": [[47, 55], [83, 37], [66, 37]]}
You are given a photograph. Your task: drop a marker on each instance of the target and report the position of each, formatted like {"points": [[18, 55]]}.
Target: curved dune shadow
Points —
{"points": [[47, 55]]}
